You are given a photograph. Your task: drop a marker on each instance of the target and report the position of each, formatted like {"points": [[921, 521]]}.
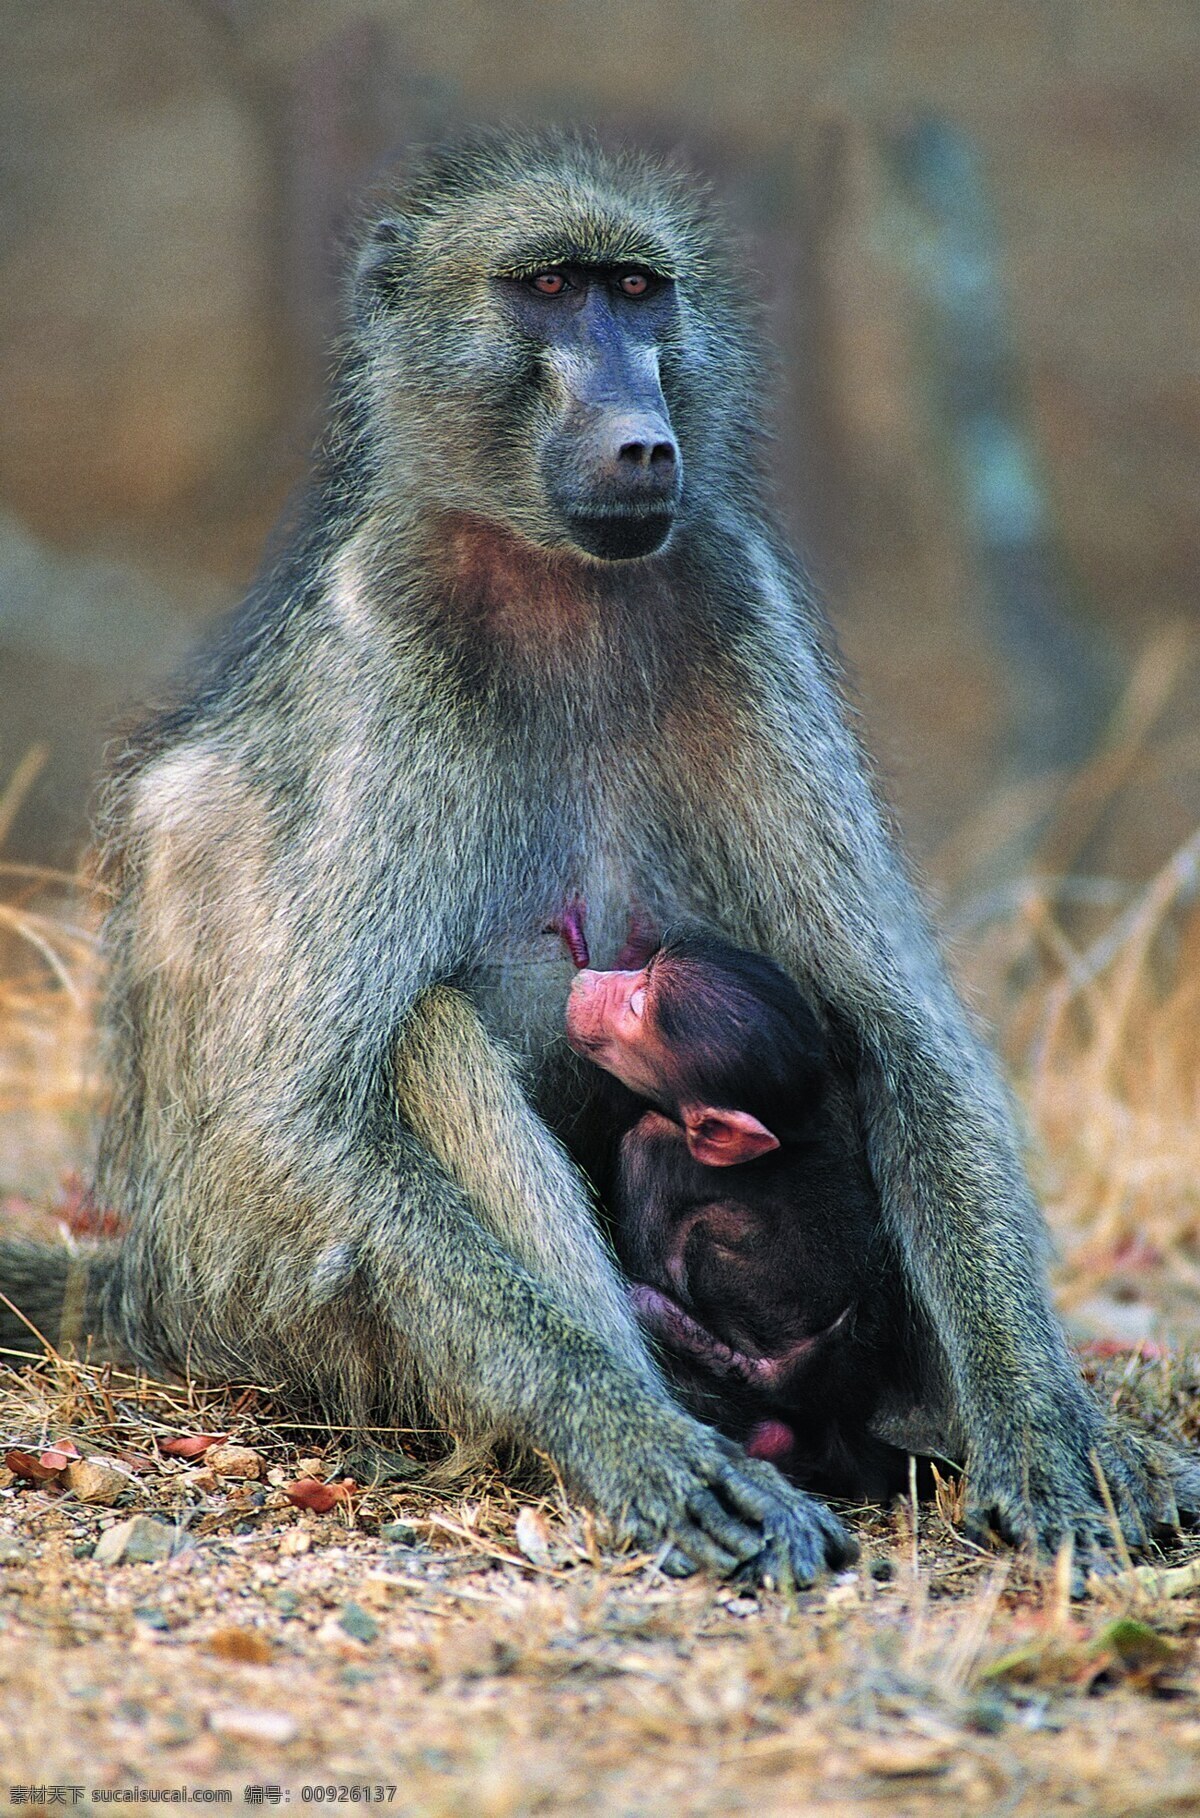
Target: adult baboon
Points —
{"points": [[534, 638]]}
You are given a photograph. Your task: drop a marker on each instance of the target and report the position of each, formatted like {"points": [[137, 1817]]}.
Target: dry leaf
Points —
{"points": [[32, 1468], [1105, 1348], [311, 1493], [1164, 1581], [191, 1445], [77, 1208]]}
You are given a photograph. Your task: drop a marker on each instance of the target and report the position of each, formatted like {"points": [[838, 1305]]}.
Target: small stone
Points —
{"points": [[7, 1478], [375, 1465], [152, 1617], [11, 1550], [296, 1540], [287, 1603], [234, 1461], [742, 1606], [377, 1591], [139, 1541], [244, 1725], [882, 1571], [246, 1645], [95, 1480], [170, 1729], [987, 1713], [399, 1533], [358, 1623], [907, 1757], [533, 1539]]}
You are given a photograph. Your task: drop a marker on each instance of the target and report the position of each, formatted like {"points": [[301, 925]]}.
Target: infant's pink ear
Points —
{"points": [[720, 1139]]}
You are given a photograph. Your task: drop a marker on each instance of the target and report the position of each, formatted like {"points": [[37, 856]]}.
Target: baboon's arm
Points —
{"points": [[459, 1091]]}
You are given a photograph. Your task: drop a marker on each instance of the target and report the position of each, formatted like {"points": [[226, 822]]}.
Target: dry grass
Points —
{"points": [[490, 1657]]}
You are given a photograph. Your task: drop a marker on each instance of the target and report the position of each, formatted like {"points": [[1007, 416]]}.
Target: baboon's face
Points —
{"points": [[608, 460], [555, 349]]}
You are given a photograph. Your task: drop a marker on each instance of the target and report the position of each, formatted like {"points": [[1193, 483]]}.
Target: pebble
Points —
{"points": [[139, 1541], [152, 1617], [358, 1623], [234, 1461], [11, 1550], [907, 1757], [399, 1533], [245, 1725], [95, 1480], [533, 1538]]}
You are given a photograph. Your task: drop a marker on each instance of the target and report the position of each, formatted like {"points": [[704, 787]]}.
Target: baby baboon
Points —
{"points": [[534, 636], [744, 1212]]}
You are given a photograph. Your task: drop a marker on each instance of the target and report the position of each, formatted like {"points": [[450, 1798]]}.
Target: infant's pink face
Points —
{"points": [[609, 1021]]}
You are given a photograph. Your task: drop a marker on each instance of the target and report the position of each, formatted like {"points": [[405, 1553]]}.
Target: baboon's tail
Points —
{"points": [[59, 1291]]}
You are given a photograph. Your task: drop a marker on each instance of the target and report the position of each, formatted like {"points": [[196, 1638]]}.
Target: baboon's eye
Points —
{"points": [[549, 283], [633, 283]]}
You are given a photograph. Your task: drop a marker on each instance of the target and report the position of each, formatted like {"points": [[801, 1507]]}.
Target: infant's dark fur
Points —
{"points": [[770, 1284]]}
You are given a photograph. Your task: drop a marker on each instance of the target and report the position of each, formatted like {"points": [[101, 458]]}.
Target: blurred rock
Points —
{"points": [[271, 1728], [139, 1541], [1102, 1317], [95, 1480], [235, 1461], [136, 357], [81, 639]]}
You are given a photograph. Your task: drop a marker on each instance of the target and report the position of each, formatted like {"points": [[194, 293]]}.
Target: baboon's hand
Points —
{"points": [[1055, 1493], [681, 1482]]}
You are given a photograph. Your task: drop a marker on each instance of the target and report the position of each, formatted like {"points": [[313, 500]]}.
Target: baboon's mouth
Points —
{"points": [[620, 536], [679, 1332]]}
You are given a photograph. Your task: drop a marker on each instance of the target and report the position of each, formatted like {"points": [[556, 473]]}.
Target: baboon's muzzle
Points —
{"points": [[614, 478], [612, 467]]}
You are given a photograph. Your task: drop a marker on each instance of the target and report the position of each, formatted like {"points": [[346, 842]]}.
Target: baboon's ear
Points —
{"points": [[381, 267], [722, 1139]]}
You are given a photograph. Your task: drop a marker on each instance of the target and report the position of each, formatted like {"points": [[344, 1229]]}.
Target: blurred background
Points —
{"points": [[976, 230]]}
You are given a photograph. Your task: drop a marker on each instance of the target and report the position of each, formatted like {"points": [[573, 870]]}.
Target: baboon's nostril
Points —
{"points": [[647, 454]]}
